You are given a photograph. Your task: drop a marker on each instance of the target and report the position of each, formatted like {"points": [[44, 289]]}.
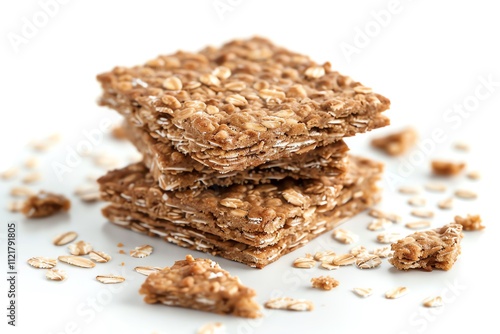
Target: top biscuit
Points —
{"points": [[242, 104]]}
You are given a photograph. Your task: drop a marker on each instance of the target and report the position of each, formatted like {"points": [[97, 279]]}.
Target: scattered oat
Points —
{"points": [[55, 274], [446, 203], [375, 213], [122, 264], [329, 266], [358, 250], [344, 260], [304, 263], [147, 270], [379, 224], [141, 251], [31, 163], [396, 143], [110, 279], [9, 174], [291, 304], [435, 187], [119, 244], [105, 161], [46, 143], [465, 194], [324, 256], [447, 168], [45, 204], [398, 292], [15, 206], [76, 261], [368, 261], [409, 190], [363, 292], [388, 237], [422, 213], [418, 224], [474, 175], [64, 238], [99, 257], [80, 248], [121, 251], [212, 328], [42, 262], [324, 282], [470, 223], [32, 177], [88, 192], [345, 236], [382, 252], [21, 191], [461, 146], [417, 201], [433, 301]]}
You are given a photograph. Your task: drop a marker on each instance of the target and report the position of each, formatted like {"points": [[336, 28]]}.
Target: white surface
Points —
{"points": [[427, 58]]}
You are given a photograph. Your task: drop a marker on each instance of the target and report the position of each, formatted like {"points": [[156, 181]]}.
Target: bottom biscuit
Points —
{"points": [[351, 200]]}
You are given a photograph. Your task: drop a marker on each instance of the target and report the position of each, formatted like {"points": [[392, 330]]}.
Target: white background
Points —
{"points": [[431, 58]]}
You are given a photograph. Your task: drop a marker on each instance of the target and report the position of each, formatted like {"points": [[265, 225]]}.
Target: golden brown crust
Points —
{"points": [[242, 104]]}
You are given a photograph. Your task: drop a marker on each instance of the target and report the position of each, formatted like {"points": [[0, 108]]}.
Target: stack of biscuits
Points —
{"points": [[243, 151]]}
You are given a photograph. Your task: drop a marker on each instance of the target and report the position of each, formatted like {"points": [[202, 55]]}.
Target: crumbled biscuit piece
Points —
{"points": [[200, 284], [437, 248], [447, 168], [470, 223], [396, 143], [45, 204], [324, 282]]}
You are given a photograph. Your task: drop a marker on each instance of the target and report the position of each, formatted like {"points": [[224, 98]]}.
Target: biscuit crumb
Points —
{"points": [[45, 204], [396, 143], [447, 168], [324, 282]]}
